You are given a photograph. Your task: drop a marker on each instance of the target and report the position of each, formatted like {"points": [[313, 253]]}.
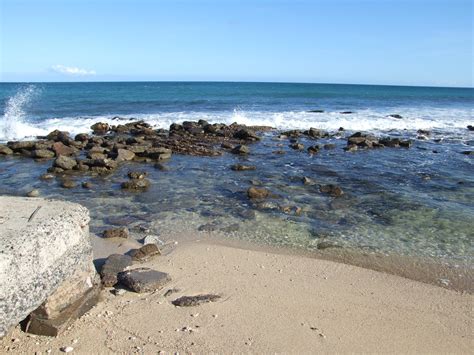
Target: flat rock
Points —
{"points": [[191, 301], [64, 162], [114, 264], [143, 279]]}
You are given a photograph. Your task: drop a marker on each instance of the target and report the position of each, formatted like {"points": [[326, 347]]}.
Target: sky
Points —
{"points": [[394, 42]]}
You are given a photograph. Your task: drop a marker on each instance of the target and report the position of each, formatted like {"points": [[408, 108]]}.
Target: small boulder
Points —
{"points": [[33, 193], [100, 128], [43, 154], [257, 193], [145, 252], [114, 264], [297, 146], [143, 279], [4, 150], [246, 134], [241, 150], [60, 149], [124, 155], [121, 232], [314, 149], [397, 116], [64, 162], [470, 127], [68, 184]]}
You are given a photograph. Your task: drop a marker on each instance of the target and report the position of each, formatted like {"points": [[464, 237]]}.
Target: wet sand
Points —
{"points": [[271, 302]]}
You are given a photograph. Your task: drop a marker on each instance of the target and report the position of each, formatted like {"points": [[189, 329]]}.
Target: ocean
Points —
{"points": [[416, 202]]}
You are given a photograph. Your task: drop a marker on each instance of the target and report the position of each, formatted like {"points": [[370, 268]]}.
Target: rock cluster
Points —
{"points": [[360, 140]]}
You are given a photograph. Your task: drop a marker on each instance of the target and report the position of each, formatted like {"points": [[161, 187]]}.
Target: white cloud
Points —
{"points": [[62, 69]]}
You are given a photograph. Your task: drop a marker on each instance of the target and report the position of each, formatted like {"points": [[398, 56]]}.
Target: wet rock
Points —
{"points": [[470, 127], [297, 146], [240, 167], [326, 245], [47, 177], [257, 193], [161, 167], [315, 133], [314, 149], [294, 210], [246, 134], [136, 184], [124, 155], [279, 152], [332, 190], [346, 112], [33, 193], [87, 185], [81, 166], [227, 145], [468, 152], [351, 148], [143, 279], [100, 128], [307, 181], [191, 301], [315, 111], [405, 144], [424, 132], [395, 116], [43, 154], [81, 137], [64, 162], [241, 149], [114, 264], [329, 146], [58, 136], [138, 175], [158, 153], [145, 252], [60, 149], [68, 184], [4, 150], [121, 232], [152, 239], [94, 155], [22, 145]]}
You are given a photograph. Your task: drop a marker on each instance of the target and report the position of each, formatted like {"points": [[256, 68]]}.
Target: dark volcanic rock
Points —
{"points": [[396, 116], [240, 167], [346, 112], [246, 134], [257, 193], [315, 111], [114, 264], [145, 252], [121, 232], [143, 279], [191, 301], [470, 127], [332, 190]]}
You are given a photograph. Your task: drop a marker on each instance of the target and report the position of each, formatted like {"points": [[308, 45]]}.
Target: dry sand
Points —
{"points": [[271, 303]]}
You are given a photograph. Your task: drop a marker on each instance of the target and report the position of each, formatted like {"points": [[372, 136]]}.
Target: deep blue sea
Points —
{"points": [[416, 202], [32, 109]]}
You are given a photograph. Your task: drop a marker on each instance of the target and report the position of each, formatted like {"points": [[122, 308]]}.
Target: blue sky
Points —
{"points": [[406, 42]]}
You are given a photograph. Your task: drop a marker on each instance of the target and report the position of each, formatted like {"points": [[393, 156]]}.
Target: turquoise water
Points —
{"points": [[416, 201]]}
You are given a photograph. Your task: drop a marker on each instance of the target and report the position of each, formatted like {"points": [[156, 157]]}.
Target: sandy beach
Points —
{"points": [[271, 303]]}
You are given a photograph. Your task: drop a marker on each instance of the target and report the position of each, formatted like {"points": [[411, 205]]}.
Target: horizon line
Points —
{"points": [[229, 81]]}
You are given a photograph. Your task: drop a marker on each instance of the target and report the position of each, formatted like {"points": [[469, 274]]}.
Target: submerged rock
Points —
{"points": [[136, 184], [143, 279], [240, 167], [332, 190], [241, 149], [297, 146], [68, 184], [257, 193]]}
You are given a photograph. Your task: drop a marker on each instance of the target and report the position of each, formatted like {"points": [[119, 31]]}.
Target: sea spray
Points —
{"points": [[13, 124]]}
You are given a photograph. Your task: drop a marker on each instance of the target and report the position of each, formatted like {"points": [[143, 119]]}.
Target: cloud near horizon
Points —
{"points": [[63, 69]]}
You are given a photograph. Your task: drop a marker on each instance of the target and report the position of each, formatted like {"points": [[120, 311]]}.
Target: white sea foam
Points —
{"points": [[14, 126]]}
